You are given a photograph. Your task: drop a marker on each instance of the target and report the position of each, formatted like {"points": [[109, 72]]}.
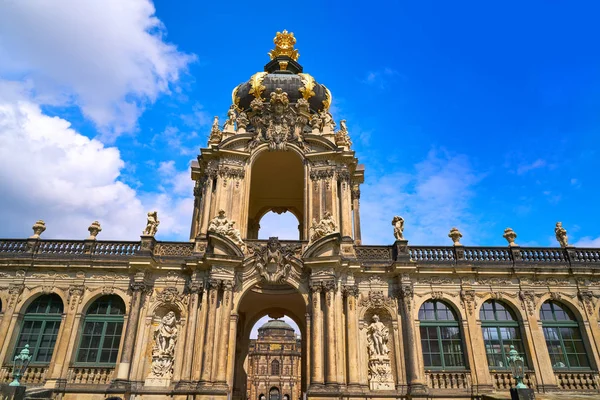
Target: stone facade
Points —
{"points": [[165, 320], [274, 362]]}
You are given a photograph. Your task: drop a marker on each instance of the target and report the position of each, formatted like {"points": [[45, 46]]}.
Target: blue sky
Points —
{"points": [[467, 114]]}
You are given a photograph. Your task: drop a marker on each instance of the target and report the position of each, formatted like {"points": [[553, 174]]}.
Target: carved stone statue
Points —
{"points": [[377, 338], [163, 352], [94, 230], [223, 226], [242, 122], [215, 133], [325, 227], [151, 224], [561, 235], [231, 117], [398, 224], [342, 138], [38, 228], [327, 122]]}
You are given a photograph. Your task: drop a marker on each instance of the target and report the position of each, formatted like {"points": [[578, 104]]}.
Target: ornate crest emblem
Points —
{"points": [[273, 260]]}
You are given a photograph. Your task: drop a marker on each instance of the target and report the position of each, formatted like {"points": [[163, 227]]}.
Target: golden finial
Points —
{"points": [[284, 46]]}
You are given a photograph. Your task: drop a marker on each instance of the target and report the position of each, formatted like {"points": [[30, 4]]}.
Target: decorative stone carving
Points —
{"points": [[276, 122], [151, 224], [38, 228], [467, 298], [510, 236], [229, 125], [377, 300], [75, 295], [586, 297], [168, 295], [398, 224], [272, 261], [223, 226], [561, 235], [242, 122], [455, 235], [94, 230], [163, 352], [380, 368], [528, 299], [327, 122], [325, 227], [215, 133], [342, 138], [406, 293]]}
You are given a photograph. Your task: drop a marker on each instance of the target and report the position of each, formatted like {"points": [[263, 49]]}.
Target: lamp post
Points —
{"points": [[20, 364], [517, 367]]}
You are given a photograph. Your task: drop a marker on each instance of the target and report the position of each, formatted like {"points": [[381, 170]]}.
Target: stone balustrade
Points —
{"points": [[503, 380], [33, 375], [449, 380], [580, 381], [90, 375]]}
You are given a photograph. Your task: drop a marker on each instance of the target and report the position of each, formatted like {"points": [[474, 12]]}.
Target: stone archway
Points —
{"points": [[258, 301], [276, 184]]}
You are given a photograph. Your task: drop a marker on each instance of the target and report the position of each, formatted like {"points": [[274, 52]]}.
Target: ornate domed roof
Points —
{"points": [[276, 324], [282, 72]]}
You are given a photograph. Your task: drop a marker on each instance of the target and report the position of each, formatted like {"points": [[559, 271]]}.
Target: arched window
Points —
{"points": [[102, 329], [40, 327], [275, 367], [500, 331], [440, 336], [563, 337], [274, 393]]}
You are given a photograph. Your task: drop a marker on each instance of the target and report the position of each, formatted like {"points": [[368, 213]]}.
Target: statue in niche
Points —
{"points": [[163, 353], [561, 235], [223, 226], [398, 223], [325, 227], [377, 338], [151, 224], [231, 117]]}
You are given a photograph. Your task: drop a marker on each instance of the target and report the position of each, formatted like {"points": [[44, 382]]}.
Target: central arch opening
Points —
{"points": [[270, 344], [277, 185]]}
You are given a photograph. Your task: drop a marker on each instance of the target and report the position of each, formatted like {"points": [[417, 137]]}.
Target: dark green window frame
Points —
{"points": [[102, 331], [564, 339], [39, 328], [441, 337], [497, 320]]}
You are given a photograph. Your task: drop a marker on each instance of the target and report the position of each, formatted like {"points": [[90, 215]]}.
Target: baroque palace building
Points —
{"points": [[157, 320], [273, 363]]}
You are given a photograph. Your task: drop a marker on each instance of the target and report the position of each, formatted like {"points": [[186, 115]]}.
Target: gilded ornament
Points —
{"points": [[234, 97], [309, 85], [256, 86], [284, 46], [327, 101]]}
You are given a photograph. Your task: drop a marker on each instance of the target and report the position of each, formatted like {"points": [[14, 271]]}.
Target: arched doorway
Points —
{"points": [[274, 301], [276, 184], [274, 393]]}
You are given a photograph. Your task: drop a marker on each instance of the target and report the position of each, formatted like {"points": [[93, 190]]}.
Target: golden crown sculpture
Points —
{"points": [[284, 46]]}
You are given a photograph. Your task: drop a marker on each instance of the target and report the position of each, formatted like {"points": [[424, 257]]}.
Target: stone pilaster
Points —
{"points": [[14, 293], [356, 210], [209, 343], [198, 353], [195, 291], [351, 294], [138, 288], [223, 343], [331, 370], [416, 381], [316, 376]]}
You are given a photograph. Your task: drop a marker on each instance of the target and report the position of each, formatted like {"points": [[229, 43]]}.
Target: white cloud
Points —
{"points": [[523, 168], [434, 199], [107, 57], [588, 241]]}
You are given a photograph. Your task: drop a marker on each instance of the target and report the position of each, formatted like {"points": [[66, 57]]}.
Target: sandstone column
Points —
{"points": [[356, 210], [331, 376], [317, 336], [209, 347], [227, 302], [413, 371], [137, 288], [190, 336], [14, 291], [351, 293], [198, 353]]}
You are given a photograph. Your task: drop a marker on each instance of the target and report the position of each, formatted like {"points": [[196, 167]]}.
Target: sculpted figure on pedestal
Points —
{"points": [[323, 228], [398, 223], [163, 353], [231, 117], [223, 226], [151, 224], [561, 235], [242, 122], [215, 133], [377, 338]]}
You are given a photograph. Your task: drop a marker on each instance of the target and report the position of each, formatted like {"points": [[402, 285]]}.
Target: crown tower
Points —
{"points": [[278, 150]]}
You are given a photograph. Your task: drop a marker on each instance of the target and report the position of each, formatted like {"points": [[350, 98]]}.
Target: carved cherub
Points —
{"points": [[165, 335], [398, 223], [151, 224], [377, 337], [561, 235]]}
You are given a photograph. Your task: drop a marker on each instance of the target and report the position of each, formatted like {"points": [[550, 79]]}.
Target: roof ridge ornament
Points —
{"points": [[284, 46]]}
